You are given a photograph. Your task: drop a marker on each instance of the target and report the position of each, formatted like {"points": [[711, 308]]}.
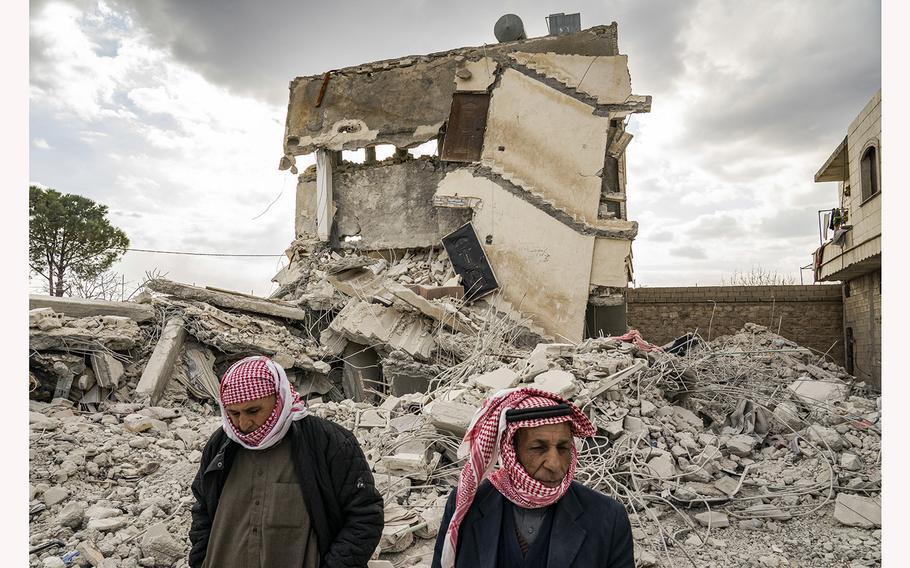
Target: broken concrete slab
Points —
{"points": [[54, 495], [682, 417], [713, 519], [453, 417], [409, 458], [81, 307], [662, 466], [90, 553], [767, 511], [403, 375], [858, 511], [108, 370], [230, 300], [741, 445], [247, 334], [371, 324], [502, 378], [851, 462], [160, 366], [107, 525], [159, 544], [728, 485], [633, 426], [116, 333], [360, 283], [825, 437], [437, 292], [812, 392], [786, 417], [439, 312], [556, 381]]}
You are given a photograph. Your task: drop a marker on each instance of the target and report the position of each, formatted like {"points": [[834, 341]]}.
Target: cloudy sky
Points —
{"points": [[172, 112]]}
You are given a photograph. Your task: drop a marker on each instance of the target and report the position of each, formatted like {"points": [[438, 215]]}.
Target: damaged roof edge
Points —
{"points": [[560, 42]]}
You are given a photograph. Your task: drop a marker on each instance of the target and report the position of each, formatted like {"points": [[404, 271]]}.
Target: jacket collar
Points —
{"points": [[221, 457], [487, 527], [566, 536]]}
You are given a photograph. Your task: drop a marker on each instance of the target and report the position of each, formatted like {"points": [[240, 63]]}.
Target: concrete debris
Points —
{"points": [[228, 299], [127, 466], [858, 511], [160, 367], [81, 307], [815, 392], [713, 519], [502, 378], [556, 381], [371, 324]]}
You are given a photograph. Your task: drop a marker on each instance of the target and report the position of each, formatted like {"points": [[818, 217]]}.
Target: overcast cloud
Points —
{"points": [[172, 113]]}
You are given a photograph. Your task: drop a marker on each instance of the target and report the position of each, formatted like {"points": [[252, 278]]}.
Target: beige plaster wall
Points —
{"points": [[608, 267], [552, 144], [604, 77], [482, 75], [543, 267], [866, 129]]}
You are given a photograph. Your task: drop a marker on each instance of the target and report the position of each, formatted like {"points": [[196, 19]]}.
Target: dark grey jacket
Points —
{"points": [[589, 530], [345, 509]]}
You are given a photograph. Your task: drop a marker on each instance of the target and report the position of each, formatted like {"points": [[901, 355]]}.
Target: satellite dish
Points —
{"points": [[509, 28]]}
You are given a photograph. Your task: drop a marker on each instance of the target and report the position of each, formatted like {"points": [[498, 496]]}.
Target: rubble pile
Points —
{"points": [[747, 450]]}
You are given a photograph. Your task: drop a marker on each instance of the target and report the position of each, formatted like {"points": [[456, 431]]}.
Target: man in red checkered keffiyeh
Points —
{"points": [[530, 433], [258, 403]]}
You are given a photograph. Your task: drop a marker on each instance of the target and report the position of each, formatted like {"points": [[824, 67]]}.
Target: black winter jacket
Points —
{"points": [[589, 529], [345, 509]]}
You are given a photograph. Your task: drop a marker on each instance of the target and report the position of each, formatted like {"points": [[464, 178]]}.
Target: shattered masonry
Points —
{"points": [[746, 449], [531, 149]]}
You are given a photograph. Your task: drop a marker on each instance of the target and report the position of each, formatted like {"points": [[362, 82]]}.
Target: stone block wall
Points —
{"points": [[811, 315], [863, 316]]}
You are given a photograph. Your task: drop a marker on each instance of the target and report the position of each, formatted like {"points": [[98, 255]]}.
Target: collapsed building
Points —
{"points": [[527, 187]]}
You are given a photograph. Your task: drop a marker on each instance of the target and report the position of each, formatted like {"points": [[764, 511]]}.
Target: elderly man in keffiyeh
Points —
{"points": [[277, 486], [529, 512]]}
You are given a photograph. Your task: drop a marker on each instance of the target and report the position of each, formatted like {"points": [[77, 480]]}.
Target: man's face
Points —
{"points": [[250, 415], [545, 451]]}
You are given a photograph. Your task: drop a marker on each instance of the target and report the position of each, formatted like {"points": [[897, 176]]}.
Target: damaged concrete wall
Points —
{"points": [[611, 259], [604, 78], [546, 142], [543, 266], [538, 163], [402, 101], [403, 106], [396, 211], [811, 315], [388, 204]]}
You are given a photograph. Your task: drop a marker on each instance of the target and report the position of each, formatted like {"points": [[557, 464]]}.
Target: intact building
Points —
{"points": [[851, 234]]}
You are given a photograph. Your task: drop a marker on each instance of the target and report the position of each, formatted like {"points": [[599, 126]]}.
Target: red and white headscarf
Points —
{"points": [[489, 439], [251, 379]]}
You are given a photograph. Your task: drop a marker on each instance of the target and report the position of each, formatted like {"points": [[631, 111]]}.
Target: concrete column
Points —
{"points": [[160, 365], [324, 161], [369, 155]]}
